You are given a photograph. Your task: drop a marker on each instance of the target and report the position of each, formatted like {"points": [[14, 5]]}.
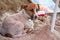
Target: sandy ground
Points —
{"points": [[43, 33]]}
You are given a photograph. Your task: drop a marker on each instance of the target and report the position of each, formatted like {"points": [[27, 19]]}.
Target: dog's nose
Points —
{"points": [[35, 17]]}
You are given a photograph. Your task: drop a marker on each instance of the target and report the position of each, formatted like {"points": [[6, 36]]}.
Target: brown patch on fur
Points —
{"points": [[31, 6]]}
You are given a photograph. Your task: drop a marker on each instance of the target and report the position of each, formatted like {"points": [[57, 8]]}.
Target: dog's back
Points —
{"points": [[14, 24]]}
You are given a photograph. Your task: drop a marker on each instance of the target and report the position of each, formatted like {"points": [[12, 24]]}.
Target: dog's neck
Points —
{"points": [[24, 13]]}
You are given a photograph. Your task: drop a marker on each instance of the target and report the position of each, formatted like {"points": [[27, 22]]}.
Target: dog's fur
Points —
{"points": [[15, 24]]}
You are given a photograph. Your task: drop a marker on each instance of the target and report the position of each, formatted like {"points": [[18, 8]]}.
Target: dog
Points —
{"points": [[17, 25]]}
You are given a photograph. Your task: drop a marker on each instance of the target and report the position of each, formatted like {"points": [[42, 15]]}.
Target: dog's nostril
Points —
{"points": [[35, 17]]}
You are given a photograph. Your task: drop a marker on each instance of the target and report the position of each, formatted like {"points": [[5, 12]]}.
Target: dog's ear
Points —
{"points": [[23, 6], [38, 7], [29, 1]]}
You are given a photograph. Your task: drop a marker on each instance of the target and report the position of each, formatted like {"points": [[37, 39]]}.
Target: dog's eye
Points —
{"points": [[31, 10]]}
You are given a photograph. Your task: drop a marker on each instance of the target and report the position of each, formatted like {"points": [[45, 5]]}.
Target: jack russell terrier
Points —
{"points": [[17, 25]]}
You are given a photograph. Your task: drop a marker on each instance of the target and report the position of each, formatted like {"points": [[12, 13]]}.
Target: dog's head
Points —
{"points": [[29, 8]]}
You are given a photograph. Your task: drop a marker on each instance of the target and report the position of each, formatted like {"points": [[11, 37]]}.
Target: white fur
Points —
{"points": [[30, 24], [15, 24]]}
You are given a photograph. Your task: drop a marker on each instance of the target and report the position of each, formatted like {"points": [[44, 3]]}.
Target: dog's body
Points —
{"points": [[15, 24]]}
